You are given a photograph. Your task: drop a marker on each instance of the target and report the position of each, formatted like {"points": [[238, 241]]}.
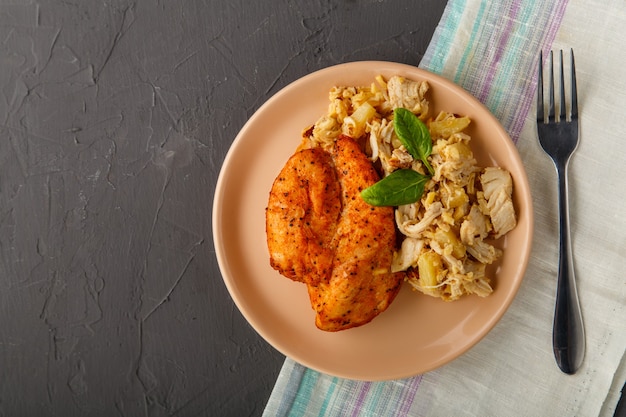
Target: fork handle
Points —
{"points": [[568, 338]]}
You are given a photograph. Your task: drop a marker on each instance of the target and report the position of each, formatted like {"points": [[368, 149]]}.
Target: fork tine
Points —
{"points": [[551, 117], [574, 110], [562, 90], [540, 109]]}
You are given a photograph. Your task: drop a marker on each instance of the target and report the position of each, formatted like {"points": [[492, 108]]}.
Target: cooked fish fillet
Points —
{"points": [[320, 232]]}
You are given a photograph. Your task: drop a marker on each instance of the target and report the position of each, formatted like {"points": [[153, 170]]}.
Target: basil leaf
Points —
{"points": [[414, 135], [404, 186]]}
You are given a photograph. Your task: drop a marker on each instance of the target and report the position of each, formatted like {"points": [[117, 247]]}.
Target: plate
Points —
{"points": [[417, 333]]}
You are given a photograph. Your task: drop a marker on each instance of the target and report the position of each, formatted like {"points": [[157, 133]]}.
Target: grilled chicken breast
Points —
{"points": [[320, 232], [303, 211]]}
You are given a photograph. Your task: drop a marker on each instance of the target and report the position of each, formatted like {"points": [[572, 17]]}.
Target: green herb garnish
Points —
{"points": [[404, 186], [414, 135]]}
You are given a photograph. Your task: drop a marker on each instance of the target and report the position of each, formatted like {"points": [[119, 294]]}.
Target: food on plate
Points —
{"points": [[375, 164], [320, 232], [456, 209]]}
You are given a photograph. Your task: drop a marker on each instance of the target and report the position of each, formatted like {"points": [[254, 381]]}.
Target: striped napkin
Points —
{"points": [[491, 48]]}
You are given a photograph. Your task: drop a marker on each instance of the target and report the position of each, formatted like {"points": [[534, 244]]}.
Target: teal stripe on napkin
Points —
{"points": [[491, 49]]}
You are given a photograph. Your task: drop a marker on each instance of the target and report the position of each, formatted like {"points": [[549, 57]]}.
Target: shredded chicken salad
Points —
{"points": [[447, 234]]}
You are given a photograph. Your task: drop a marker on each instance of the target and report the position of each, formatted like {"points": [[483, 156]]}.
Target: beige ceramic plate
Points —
{"points": [[417, 333]]}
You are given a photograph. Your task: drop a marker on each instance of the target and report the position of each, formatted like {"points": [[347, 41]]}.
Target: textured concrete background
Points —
{"points": [[115, 118]]}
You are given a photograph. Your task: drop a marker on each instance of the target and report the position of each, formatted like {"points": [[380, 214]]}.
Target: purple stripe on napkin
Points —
{"points": [[502, 40], [365, 388], [408, 396]]}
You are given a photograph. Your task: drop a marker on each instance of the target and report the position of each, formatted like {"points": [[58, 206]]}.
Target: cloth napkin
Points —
{"points": [[491, 48]]}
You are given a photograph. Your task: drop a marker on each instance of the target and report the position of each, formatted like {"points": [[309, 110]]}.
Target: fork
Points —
{"points": [[559, 138]]}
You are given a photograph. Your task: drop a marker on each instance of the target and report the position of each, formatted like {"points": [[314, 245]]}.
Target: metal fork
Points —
{"points": [[559, 139]]}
